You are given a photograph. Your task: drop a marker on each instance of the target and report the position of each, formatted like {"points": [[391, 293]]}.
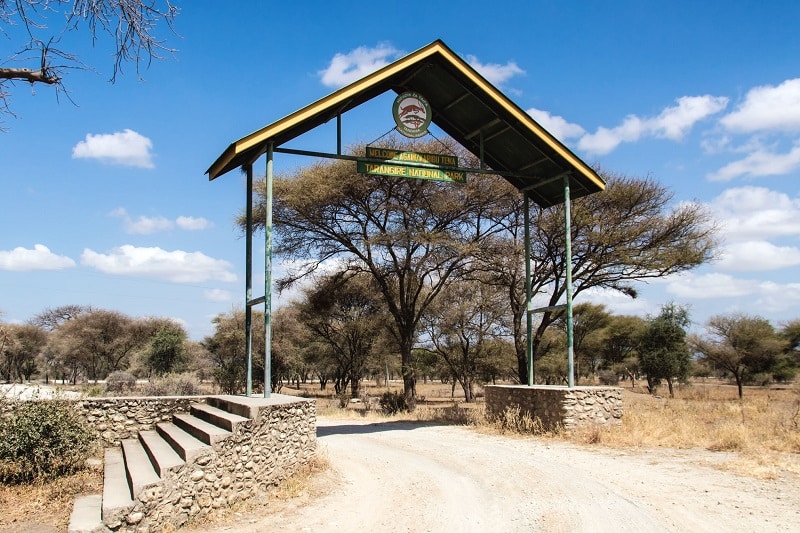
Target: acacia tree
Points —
{"points": [[36, 28], [587, 324], [620, 345], [343, 312], [627, 233], [663, 351], [460, 328], [20, 346], [411, 236], [99, 342], [740, 344]]}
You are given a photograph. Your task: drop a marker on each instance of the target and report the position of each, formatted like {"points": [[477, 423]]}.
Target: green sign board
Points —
{"points": [[396, 165]]}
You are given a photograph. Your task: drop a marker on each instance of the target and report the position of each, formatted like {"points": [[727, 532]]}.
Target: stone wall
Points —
{"points": [[118, 418], [558, 407], [261, 452]]}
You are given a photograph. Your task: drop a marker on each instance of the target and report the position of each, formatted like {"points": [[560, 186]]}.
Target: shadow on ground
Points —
{"points": [[345, 428]]}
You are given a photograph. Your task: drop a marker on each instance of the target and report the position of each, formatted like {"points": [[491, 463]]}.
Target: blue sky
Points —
{"points": [[105, 202]]}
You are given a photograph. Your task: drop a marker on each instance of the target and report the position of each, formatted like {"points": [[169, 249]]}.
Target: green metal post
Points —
{"points": [[268, 277], [568, 243], [248, 310], [338, 134], [528, 296]]}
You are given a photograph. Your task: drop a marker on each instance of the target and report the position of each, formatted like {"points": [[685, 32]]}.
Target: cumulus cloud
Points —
{"points": [[347, 68], [757, 255], [40, 258], [758, 163], [767, 108], [218, 295], [148, 225], [193, 223], [672, 123], [765, 296], [708, 286], [176, 266], [126, 148], [617, 302], [756, 214], [495, 73], [556, 125]]}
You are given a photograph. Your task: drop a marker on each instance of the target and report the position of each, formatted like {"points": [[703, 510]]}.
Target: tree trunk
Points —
{"points": [[739, 384]]}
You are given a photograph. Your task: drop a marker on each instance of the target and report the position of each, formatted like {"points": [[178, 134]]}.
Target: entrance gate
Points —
{"points": [[434, 85]]}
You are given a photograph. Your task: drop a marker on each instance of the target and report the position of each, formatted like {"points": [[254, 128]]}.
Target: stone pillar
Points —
{"points": [[558, 407]]}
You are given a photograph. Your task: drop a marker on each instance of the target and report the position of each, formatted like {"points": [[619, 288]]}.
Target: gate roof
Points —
{"points": [[464, 105]]}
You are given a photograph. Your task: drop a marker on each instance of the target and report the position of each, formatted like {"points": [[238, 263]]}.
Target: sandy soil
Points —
{"points": [[401, 476]]}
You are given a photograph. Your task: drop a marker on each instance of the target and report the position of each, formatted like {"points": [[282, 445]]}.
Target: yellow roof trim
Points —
{"points": [[331, 100], [254, 144], [520, 115]]}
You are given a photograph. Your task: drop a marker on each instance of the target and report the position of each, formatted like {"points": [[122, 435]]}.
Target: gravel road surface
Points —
{"points": [[413, 477]]}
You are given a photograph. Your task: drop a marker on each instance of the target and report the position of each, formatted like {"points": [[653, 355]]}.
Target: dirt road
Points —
{"points": [[408, 477]]}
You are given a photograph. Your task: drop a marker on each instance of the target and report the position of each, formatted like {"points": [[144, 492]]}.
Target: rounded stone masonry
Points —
{"points": [[558, 407]]}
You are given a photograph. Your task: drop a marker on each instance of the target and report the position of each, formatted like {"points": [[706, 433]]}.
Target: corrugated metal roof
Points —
{"points": [[464, 105]]}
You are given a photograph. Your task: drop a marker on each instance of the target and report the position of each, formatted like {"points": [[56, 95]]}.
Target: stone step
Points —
{"points": [[86, 515], [200, 429], [138, 466], [116, 492], [248, 407], [186, 445], [163, 457], [216, 416]]}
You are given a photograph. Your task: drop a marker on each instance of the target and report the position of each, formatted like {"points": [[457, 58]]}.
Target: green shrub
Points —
{"points": [[393, 403], [42, 439]]}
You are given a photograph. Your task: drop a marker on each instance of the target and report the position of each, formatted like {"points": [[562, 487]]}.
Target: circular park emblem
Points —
{"points": [[412, 114]]}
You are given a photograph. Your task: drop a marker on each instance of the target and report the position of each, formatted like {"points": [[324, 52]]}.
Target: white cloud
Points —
{"points": [[672, 123], [556, 125], [176, 266], [495, 73], [757, 255], [354, 65], [40, 258], [752, 296], [617, 302], [767, 108], [218, 295], [193, 223], [707, 286], [755, 213], [760, 162], [149, 225], [126, 148]]}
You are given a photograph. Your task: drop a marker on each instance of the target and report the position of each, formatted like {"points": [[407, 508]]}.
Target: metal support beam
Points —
{"points": [[568, 246], [339, 134], [528, 290], [248, 276], [268, 276]]}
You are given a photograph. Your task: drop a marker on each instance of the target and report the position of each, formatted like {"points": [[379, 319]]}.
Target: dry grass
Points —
{"points": [[762, 430], [46, 504]]}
